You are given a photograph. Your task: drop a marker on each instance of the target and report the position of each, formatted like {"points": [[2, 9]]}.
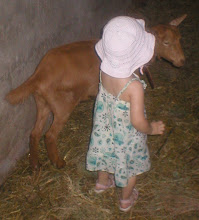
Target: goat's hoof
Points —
{"points": [[60, 163], [35, 166]]}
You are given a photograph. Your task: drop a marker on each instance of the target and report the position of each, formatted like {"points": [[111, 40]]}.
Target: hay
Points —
{"points": [[170, 190]]}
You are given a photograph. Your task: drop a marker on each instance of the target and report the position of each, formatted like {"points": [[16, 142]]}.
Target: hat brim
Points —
{"points": [[99, 49], [124, 66]]}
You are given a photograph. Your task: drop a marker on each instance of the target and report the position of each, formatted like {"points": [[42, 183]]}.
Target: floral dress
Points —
{"points": [[115, 145]]}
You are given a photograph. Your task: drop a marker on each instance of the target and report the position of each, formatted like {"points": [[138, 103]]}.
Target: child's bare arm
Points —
{"points": [[137, 112]]}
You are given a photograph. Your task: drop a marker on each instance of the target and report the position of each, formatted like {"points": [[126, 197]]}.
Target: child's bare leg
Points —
{"points": [[103, 177], [129, 195], [128, 190], [104, 182]]}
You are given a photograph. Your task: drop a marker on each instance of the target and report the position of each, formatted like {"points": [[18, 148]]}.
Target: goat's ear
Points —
{"points": [[177, 21], [157, 31]]}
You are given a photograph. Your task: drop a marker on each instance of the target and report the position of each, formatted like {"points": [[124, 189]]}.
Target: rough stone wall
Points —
{"points": [[28, 29]]}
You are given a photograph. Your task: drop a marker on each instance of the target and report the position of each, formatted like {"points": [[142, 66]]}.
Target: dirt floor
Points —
{"points": [[170, 190]]}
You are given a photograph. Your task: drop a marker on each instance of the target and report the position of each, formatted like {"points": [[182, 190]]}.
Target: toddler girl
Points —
{"points": [[118, 148]]}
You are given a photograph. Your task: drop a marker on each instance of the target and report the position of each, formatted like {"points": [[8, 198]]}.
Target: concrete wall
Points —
{"points": [[28, 29]]}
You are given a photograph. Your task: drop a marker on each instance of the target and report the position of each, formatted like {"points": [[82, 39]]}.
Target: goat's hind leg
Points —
{"points": [[61, 108], [42, 114]]}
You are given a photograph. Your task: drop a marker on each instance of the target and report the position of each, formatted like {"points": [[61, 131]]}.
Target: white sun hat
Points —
{"points": [[125, 46]]}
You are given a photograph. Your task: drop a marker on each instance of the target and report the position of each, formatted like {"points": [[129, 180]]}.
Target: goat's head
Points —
{"points": [[168, 44]]}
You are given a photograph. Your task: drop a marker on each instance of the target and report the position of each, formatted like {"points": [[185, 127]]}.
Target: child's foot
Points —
{"points": [[127, 204], [99, 188]]}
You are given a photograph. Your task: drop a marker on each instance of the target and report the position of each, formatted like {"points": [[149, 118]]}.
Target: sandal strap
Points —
{"points": [[101, 186], [132, 199], [125, 201], [104, 187]]}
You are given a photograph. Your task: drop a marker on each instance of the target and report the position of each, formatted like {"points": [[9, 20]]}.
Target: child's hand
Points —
{"points": [[158, 127]]}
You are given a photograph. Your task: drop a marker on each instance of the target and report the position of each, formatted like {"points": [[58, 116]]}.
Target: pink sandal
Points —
{"points": [[100, 188], [130, 201]]}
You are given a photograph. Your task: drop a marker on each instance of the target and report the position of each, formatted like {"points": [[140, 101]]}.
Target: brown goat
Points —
{"points": [[69, 74]]}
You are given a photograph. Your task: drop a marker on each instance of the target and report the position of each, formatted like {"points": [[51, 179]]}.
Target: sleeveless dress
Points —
{"points": [[115, 145]]}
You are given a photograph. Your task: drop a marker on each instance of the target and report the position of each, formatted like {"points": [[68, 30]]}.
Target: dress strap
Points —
{"points": [[128, 83], [100, 76]]}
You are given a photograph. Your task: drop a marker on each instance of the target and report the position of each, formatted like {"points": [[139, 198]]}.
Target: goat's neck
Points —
{"points": [[155, 55]]}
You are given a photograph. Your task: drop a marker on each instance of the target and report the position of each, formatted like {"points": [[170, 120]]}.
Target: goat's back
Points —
{"points": [[68, 66]]}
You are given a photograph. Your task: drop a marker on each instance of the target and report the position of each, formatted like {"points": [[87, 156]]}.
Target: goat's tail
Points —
{"points": [[19, 94]]}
